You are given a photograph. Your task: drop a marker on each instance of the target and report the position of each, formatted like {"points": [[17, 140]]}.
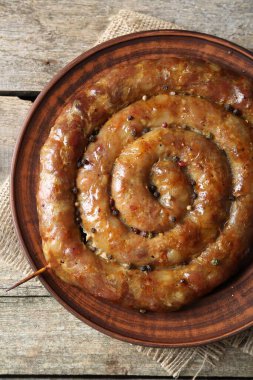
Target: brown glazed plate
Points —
{"points": [[227, 310]]}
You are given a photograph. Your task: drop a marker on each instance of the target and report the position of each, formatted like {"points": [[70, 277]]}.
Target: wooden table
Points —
{"points": [[38, 338]]}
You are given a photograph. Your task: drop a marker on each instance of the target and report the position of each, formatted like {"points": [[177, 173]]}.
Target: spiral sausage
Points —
{"points": [[145, 194]]}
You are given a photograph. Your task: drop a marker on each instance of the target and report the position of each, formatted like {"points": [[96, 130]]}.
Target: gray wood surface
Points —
{"points": [[39, 337], [37, 38], [13, 111]]}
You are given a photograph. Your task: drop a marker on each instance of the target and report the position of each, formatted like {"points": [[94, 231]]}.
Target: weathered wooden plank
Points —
{"points": [[37, 38], [84, 377], [12, 115], [30, 305], [9, 276], [43, 338]]}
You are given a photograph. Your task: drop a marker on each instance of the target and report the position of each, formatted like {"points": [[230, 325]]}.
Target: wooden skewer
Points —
{"points": [[29, 277]]}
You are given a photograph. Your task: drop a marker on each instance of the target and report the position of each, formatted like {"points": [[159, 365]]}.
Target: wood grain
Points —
{"points": [[45, 339], [13, 112], [38, 38]]}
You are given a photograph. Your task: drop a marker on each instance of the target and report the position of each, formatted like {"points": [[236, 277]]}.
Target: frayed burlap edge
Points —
{"points": [[174, 361]]}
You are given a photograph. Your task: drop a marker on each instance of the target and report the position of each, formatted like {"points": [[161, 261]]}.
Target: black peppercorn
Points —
{"points": [[145, 130], [115, 212], [83, 235], [215, 262], [156, 194], [146, 268], [74, 190], [130, 117], [79, 164], [85, 162], [93, 230], [133, 132], [237, 112], [173, 219], [92, 138], [152, 188], [135, 230], [229, 108]]}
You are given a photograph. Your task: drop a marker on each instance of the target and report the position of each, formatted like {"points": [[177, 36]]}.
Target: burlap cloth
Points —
{"points": [[172, 360]]}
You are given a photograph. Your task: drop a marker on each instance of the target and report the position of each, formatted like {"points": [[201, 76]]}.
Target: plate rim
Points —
{"points": [[83, 56]]}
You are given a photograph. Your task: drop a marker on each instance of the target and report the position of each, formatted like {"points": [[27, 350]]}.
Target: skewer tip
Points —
{"points": [[29, 277]]}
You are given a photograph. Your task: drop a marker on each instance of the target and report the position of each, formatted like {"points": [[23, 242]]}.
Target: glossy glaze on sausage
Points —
{"points": [[145, 195]]}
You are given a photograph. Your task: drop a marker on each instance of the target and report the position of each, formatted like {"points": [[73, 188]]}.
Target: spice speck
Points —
{"points": [[215, 262], [156, 194], [175, 159], [112, 202], [194, 195], [85, 162], [135, 230], [144, 234], [79, 164], [146, 268], [96, 131], [115, 212], [152, 188], [92, 138], [237, 112], [229, 108], [133, 132], [145, 130], [151, 235], [182, 164]]}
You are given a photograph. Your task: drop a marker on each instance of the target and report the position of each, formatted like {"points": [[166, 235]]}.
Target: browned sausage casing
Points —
{"points": [[145, 194]]}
